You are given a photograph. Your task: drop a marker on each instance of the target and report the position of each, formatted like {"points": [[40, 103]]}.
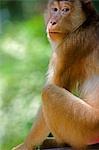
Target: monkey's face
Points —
{"points": [[63, 16]]}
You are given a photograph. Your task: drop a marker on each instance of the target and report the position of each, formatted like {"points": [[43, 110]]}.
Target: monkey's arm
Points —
{"points": [[70, 118], [37, 134]]}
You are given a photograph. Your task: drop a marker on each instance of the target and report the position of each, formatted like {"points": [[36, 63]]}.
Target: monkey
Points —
{"points": [[70, 97]]}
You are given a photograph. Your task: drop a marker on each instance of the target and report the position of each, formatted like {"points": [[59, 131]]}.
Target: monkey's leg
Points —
{"points": [[70, 119], [37, 134]]}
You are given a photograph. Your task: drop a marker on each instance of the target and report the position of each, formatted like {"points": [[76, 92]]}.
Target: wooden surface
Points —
{"points": [[51, 144]]}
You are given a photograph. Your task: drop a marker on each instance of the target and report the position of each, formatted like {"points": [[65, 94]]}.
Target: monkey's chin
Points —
{"points": [[56, 36]]}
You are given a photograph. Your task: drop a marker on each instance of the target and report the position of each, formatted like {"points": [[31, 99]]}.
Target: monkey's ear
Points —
{"points": [[88, 7]]}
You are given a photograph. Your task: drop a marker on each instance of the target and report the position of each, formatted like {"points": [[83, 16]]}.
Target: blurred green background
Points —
{"points": [[24, 56]]}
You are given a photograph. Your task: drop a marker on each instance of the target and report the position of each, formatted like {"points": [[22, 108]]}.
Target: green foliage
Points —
{"points": [[24, 53]]}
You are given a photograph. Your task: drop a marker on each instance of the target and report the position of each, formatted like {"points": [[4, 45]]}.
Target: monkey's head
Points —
{"points": [[64, 16]]}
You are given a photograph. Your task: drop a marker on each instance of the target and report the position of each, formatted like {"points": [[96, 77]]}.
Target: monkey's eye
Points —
{"points": [[65, 10], [54, 9]]}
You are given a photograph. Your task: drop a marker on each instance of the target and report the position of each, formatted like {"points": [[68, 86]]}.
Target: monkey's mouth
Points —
{"points": [[55, 32]]}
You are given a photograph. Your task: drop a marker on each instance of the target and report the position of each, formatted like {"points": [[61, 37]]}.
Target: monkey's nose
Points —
{"points": [[53, 23]]}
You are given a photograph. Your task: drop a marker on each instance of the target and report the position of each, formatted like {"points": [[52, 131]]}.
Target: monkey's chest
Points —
{"points": [[70, 77]]}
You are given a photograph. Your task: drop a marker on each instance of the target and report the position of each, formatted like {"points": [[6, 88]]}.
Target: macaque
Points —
{"points": [[73, 32]]}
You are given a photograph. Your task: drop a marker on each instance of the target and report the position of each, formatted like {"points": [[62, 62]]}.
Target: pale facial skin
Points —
{"points": [[60, 14]]}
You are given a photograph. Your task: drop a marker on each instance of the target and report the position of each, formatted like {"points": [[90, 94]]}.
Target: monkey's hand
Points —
{"points": [[23, 147]]}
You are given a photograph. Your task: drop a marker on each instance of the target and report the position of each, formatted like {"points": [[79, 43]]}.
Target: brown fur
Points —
{"points": [[74, 66]]}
